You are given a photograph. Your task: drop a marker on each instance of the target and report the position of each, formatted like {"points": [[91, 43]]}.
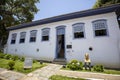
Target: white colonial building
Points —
{"points": [[70, 36]]}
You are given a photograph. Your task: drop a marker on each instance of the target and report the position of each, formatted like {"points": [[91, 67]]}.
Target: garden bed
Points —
{"points": [[18, 65], [75, 65], [106, 71]]}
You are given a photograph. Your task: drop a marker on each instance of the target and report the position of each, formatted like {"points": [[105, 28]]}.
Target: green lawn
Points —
{"points": [[59, 77], [109, 71], [106, 71], [19, 66]]}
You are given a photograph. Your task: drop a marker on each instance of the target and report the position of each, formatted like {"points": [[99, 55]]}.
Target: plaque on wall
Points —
{"points": [[69, 46], [28, 63]]}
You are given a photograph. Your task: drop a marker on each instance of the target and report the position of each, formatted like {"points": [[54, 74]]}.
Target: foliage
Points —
{"points": [[111, 71], [34, 61], [7, 56], [102, 3], [11, 65], [12, 57], [59, 77], [15, 58], [98, 68], [2, 55], [106, 71], [22, 59], [75, 65], [15, 12], [19, 65]]}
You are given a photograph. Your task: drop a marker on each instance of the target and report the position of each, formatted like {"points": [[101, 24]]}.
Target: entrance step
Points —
{"points": [[60, 61]]}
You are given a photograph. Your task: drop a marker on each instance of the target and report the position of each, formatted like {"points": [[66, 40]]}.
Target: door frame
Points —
{"points": [[56, 54]]}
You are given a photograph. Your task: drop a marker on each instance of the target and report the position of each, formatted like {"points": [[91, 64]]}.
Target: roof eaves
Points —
{"points": [[78, 14]]}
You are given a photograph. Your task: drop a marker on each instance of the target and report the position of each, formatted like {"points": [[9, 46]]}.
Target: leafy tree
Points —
{"points": [[102, 3], [14, 12]]}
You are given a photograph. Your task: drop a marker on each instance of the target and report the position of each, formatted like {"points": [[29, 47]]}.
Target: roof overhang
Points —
{"points": [[78, 14]]}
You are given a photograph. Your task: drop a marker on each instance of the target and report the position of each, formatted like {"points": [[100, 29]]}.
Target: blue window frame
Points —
{"points": [[78, 30], [33, 35], [100, 27], [13, 39], [45, 34], [22, 37]]}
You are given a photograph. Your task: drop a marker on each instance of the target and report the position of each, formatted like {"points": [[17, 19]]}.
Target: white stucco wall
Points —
{"points": [[106, 50]]}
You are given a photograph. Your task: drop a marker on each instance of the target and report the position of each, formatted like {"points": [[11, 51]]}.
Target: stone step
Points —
{"points": [[62, 63], [59, 61]]}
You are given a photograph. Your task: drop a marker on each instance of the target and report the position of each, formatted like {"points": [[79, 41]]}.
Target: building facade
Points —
{"points": [[70, 36]]}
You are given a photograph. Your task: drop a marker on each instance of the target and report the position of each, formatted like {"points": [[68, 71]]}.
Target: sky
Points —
{"points": [[51, 8]]}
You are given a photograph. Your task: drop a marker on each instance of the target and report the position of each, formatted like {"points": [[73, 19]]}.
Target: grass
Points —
{"points": [[59, 77], [109, 71], [19, 66], [106, 71]]}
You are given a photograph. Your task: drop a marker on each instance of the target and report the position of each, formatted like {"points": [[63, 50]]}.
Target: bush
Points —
{"points": [[81, 65], [75, 65], [2, 55], [22, 59], [15, 58], [34, 61], [98, 68], [11, 65], [7, 56], [1, 50]]}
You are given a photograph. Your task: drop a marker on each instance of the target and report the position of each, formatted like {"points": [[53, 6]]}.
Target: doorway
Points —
{"points": [[60, 47]]}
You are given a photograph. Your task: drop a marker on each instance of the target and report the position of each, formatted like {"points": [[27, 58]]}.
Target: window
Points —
{"points": [[33, 35], [22, 37], [45, 34], [100, 28], [78, 30], [13, 40]]}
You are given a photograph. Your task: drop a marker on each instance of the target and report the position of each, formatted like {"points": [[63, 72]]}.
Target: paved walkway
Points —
{"points": [[52, 69], [88, 75], [43, 73], [10, 75]]}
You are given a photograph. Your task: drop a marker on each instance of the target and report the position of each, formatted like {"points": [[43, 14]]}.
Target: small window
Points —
{"points": [[22, 37], [45, 34], [13, 40], [78, 30], [33, 35], [100, 28]]}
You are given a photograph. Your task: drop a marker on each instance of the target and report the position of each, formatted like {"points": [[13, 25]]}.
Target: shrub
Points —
{"points": [[11, 65], [7, 56], [81, 65], [22, 59], [1, 50], [2, 55], [15, 58], [34, 61], [98, 68], [75, 65]]}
